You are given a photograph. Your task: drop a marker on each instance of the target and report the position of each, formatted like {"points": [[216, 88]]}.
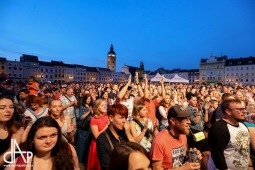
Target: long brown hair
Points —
{"points": [[11, 125], [61, 153], [121, 153]]}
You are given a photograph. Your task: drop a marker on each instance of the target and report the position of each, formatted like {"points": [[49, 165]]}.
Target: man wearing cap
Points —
{"points": [[169, 147]]}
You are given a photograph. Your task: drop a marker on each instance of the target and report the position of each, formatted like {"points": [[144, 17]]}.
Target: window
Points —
{"points": [[241, 68], [227, 69], [239, 62], [247, 74], [2, 67], [247, 68], [247, 80], [236, 68], [10, 68], [20, 75], [236, 74], [236, 80]]}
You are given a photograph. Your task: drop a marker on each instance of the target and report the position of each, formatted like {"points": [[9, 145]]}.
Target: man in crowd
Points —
{"points": [[68, 103], [113, 94], [230, 138], [169, 147]]}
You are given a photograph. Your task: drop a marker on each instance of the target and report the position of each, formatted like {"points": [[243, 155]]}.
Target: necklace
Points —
{"points": [[175, 137]]}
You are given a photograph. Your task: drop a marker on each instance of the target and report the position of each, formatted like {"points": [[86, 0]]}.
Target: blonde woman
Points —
{"points": [[64, 121], [99, 123], [142, 128]]}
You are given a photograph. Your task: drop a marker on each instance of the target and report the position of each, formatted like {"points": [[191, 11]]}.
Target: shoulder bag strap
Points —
{"points": [[109, 140], [67, 98]]}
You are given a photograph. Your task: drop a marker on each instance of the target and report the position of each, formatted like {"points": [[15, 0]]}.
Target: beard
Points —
{"points": [[182, 130], [239, 119]]}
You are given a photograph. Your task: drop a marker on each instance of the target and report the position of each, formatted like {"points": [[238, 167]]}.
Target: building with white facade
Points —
{"points": [[240, 70], [212, 70]]}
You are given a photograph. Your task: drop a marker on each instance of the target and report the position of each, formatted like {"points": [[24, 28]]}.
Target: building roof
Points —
{"points": [[132, 69], [111, 50], [44, 63], [69, 65], [103, 69], [218, 59], [2, 59], [91, 69], [57, 63], [240, 61], [79, 66], [28, 58]]}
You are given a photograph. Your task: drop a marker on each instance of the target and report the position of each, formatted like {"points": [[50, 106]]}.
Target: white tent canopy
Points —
{"points": [[158, 77], [178, 79]]}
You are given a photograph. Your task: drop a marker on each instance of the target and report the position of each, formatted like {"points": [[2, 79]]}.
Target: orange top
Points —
{"points": [[151, 109], [32, 88]]}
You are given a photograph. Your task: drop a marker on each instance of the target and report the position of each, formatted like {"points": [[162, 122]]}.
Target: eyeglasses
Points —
{"points": [[239, 109]]}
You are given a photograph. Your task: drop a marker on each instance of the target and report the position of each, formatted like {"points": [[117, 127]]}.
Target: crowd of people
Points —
{"points": [[127, 125]]}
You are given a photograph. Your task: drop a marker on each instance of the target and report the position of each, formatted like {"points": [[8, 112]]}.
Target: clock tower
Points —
{"points": [[111, 59]]}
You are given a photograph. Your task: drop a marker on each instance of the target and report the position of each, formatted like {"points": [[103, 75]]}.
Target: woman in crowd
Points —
{"points": [[130, 156], [198, 118], [98, 124], [117, 132], [35, 109], [64, 121], [163, 108], [142, 128], [104, 95], [49, 150], [9, 129], [83, 137]]}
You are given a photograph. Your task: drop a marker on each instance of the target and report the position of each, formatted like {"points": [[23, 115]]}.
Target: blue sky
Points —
{"points": [[161, 33]]}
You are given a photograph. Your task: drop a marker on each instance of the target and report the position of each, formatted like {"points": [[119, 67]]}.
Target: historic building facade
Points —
{"points": [[240, 70], [212, 70], [111, 59]]}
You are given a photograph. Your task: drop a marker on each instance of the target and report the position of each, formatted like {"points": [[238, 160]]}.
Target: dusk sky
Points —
{"points": [[161, 33]]}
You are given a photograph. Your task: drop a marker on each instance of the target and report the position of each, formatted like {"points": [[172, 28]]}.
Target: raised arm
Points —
{"points": [[162, 90], [124, 89], [146, 90]]}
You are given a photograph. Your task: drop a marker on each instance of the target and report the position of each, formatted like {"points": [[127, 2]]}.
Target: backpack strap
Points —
{"points": [[147, 133], [109, 140]]}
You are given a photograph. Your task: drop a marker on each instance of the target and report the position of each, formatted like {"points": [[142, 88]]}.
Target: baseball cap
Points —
{"points": [[178, 112]]}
